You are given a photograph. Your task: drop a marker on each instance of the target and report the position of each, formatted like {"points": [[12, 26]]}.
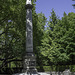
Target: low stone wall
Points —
{"points": [[62, 73], [46, 73], [66, 72]]}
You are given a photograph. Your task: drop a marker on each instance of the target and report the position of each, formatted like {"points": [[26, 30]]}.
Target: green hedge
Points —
{"points": [[56, 68]]}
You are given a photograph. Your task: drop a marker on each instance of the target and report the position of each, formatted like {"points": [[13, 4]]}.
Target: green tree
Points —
{"points": [[12, 29], [11, 26], [39, 28], [48, 45], [58, 43], [68, 41], [73, 4]]}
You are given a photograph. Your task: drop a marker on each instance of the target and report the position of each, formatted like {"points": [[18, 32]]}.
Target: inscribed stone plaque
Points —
{"points": [[31, 63]]}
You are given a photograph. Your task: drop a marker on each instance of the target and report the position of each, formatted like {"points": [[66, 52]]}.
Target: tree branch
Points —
{"points": [[5, 62], [2, 33]]}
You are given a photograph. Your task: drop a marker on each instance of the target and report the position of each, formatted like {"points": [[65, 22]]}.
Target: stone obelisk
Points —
{"points": [[30, 59]]}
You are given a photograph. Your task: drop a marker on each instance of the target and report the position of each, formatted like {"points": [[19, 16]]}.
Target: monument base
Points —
{"points": [[30, 64], [39, 73]]}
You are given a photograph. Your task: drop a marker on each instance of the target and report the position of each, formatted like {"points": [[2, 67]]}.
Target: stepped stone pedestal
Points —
{"points": [[30, 64]]}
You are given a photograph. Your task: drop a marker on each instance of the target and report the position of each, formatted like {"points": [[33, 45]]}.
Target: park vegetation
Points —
{"points": [[54, 40]]}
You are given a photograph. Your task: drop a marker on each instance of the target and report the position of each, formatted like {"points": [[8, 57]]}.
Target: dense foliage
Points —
{"points": [[58, 44], [12, 30], [54, 40]]}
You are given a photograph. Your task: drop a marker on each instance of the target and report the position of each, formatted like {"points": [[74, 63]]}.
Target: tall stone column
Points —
{"points": [[29, 27], [30, 59]]}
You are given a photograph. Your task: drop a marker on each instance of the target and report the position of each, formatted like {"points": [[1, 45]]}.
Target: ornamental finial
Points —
{"points": [[28, 2]]}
